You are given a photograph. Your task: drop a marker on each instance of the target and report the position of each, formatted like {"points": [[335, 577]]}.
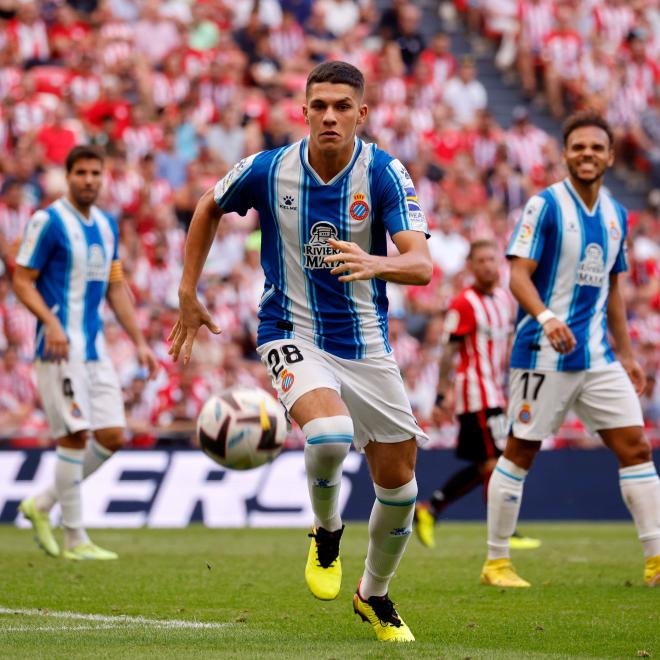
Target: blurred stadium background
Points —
{"points": [[468, 94]]}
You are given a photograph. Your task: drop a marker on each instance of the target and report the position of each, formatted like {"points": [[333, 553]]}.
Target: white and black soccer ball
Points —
{"points": [[242, 428]]}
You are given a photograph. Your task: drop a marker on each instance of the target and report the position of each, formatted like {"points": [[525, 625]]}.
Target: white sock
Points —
{"points": [[328, 442], [504, 497], [390, 526], [640, 489], [68, 477], [95, 455]]}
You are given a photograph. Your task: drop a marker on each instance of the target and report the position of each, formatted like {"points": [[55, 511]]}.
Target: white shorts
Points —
{"points": [[371, 388], [80, 396], [539, 400]]}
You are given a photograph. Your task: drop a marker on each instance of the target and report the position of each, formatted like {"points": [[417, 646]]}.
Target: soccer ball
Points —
{"points": [[242, 428]]}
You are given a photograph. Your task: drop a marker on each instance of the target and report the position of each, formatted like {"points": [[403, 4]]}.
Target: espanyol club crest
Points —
{"points": [[525, 414], [287, 380], [359, 208]]}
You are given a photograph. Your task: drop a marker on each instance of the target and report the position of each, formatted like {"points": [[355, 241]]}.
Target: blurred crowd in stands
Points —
{"points": [[177, 91]]}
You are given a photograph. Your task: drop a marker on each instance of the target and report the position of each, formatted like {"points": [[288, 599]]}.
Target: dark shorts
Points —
{"points": [[475, 438]]}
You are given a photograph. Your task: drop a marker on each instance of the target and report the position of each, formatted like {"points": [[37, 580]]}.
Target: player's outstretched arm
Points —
{"points": [[558, 333], [120, 301], [412, 266], [56, 343], [618, 326], [192, 314]]}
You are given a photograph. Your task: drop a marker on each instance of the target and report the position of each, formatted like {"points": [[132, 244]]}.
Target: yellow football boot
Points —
{"points": [[89, 552], [520, 542], [323, 569], [425, 526], [500, 573], [379, 611], [652, 571], [43, 532]]}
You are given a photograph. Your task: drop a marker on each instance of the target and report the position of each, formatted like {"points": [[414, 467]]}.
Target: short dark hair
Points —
{"points": [[481, 243], [82, 152], [337, 73], [586, 118]]}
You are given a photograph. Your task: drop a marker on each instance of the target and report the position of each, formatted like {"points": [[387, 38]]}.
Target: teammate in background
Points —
{"points": [[67, 264], [325, 204], [478, 329], [567, 253]]}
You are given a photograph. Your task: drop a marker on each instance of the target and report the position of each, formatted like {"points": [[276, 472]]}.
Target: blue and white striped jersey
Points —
{"points": [[576, 250], [372, 195], [74, 256]]}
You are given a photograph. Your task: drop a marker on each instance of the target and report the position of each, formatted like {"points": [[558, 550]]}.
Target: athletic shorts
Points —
{"points": [[481, 434], [539, 400], [80, 396], [371, 388]]}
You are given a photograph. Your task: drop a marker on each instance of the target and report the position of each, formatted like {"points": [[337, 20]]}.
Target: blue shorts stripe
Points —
{"points": [[646, 475], [330, 437], [508, 474], [391, 503]]}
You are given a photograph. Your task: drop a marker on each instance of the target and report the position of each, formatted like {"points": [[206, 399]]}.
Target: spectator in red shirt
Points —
{"points": [[56, 138]]}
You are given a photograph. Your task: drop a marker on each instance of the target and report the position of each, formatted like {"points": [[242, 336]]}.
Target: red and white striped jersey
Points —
{"points": [[85, 88], [484, 323], [526, 147], [613, 23], [30, 40], [537, 21], [167, 90], [563, 51], [13, 222]]}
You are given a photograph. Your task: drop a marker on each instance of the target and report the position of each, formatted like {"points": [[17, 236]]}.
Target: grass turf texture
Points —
{"points": [[587, 598]]}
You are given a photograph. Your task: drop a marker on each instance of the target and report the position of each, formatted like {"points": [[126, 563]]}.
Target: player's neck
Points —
{"points": [[588, 192], [328, 164], [486, 289], [83, 210]]}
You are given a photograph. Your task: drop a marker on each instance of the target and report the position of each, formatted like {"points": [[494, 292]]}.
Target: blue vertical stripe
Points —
{"points": [[273, 172]]}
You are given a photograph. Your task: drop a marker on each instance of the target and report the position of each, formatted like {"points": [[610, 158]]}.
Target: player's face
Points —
{"points": [[484, 267], [588, 154], [333, 112], [84, 181]]}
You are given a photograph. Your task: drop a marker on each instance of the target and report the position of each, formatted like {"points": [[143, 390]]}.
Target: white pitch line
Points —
{"points": [[122, 618]]}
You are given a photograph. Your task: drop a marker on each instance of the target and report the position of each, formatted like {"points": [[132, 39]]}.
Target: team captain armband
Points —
{"points": [[116, 272]]}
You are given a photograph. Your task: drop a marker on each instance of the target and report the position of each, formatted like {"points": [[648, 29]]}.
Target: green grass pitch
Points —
{"points": [[587, 599]]}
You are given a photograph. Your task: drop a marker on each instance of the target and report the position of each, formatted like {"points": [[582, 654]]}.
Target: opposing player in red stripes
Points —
{"points": [[477, 329]]}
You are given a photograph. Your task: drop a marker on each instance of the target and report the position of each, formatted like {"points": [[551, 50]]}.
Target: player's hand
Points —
{"points": [[443, 413], [192, 316], [354, 262], [148, 360], [56, 343], [560, 336], [635, 373]]}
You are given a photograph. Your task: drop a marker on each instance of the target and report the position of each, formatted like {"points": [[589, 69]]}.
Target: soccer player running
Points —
{"points": [[67, 265], [478, 330], [567, 254], [325, 205]]}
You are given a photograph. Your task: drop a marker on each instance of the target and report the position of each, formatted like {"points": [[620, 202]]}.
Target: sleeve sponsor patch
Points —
{"points": [[32, 232], [224, 184]]}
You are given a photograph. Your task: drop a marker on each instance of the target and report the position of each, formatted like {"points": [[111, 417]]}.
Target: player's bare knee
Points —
{"points": [[112, 439], [392, 464], [74, 440], [629, 444], [521, 452]]}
